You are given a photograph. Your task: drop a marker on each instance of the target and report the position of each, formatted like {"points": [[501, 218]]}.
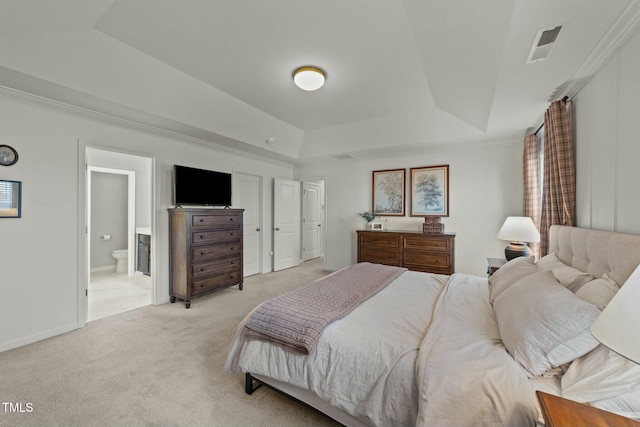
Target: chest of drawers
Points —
{"points": [[432, 253], [205, 251]]}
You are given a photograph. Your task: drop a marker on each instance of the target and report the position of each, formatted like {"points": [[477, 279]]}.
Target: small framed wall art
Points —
{"points": [[10, 199], [388, 192], [430, 191]]}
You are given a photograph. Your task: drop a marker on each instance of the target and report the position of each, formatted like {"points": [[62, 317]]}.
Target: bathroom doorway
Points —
{"points": [[118, 216]]}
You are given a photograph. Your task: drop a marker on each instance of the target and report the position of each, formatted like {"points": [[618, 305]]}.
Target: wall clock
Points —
{"points": [[8, 155]]}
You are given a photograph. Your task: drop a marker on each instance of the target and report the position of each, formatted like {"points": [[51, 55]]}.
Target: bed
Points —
{"points": [[460, 350]]}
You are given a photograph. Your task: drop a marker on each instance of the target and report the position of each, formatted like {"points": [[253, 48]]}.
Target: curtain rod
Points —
{"points": [[565, 100]]}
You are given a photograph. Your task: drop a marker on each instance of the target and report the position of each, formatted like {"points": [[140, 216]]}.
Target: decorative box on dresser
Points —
{"points": [[415, 250], [205, 251]]}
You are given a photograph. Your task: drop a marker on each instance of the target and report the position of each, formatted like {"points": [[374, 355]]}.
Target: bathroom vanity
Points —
{"points": [[205, 251]]}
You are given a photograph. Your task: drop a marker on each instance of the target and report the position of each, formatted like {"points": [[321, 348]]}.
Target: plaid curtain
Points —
{"points": [[559, 185], [531, 206]]}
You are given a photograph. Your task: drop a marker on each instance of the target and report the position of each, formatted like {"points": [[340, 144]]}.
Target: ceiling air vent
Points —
{"points": [[542, 43]]}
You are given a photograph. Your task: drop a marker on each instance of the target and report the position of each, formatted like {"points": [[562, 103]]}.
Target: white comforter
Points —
{"points": [[424, 351]]}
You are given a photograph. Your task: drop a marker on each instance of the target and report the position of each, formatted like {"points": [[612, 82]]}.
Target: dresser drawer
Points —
{"points": [[382, 240], [204, 220], [427, 261], [221, 250], [213, 282], [202, 269], [208, 236], [430, 243], [379, 256]]}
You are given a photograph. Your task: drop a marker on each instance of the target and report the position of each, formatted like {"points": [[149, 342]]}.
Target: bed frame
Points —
{"points": [[593, 251]]}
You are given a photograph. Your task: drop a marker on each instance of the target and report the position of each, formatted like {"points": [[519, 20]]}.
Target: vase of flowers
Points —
{"points": [[368, 215]]}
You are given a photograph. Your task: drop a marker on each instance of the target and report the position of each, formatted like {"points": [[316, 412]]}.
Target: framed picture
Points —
{"points": [[430, 191], [388, 192], [375, 225], [10, 199]]}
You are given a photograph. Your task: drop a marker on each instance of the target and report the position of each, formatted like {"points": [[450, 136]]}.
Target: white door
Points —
{"points": [[248, 195], [286, 223], [311, 220]]}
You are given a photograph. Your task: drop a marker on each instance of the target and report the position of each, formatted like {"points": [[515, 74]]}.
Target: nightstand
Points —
{"points": [[494, 264], [561, 412]]}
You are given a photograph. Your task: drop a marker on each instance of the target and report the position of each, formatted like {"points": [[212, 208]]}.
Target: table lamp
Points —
{"points": [[617, 325], [518, 230]]}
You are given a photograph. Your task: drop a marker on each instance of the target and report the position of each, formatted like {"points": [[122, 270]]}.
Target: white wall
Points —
{"points": [[485, 187], [109, 215], [142, 168], [607, 110], [41, 253]]}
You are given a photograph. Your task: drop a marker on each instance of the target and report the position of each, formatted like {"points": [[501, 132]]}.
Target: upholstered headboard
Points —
{"points": [[596, 251]]}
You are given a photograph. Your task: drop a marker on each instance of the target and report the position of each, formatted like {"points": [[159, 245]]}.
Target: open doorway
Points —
{"points": [[118, 228]]}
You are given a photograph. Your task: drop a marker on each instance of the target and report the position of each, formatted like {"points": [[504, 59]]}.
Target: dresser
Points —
{"points": [[415, 250], [205, 251]]}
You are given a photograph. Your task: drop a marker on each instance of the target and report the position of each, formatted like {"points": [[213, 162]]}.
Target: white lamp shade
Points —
{"points": [[618, 326], [309, 78], [519, 229]]}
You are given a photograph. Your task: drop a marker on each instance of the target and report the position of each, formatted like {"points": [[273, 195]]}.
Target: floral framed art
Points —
{"points": [[388, 192], [430, 191]]}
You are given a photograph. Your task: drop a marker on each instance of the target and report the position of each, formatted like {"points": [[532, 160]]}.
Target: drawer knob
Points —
{"points": [[201, 252], [231, 262], [437, 245], [202, 285], [202, 236], [413, 258], [230, 234], [437, 261], [201, 219], [201, 268], [413, 243]]}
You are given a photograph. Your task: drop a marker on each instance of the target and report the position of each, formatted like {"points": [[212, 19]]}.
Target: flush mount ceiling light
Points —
{"points": [[308, 78]]}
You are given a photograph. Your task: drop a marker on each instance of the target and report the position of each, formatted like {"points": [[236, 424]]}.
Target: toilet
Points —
{"points": [[121, 256]]}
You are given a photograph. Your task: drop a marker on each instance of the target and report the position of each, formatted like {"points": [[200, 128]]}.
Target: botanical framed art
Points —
{"points": [[430, 191], [388, 192]]}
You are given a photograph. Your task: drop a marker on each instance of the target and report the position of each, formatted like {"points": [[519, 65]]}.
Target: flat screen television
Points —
{"points": [[203, 187]]}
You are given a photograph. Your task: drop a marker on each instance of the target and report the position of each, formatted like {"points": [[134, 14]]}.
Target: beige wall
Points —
{"points": [[607, 113], [485, 188], [41, 254]]}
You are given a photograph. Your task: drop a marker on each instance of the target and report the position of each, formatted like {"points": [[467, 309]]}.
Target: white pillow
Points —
{"points": [[601, 374], [570, 277], [598, 292], [549, 261], [542, 324], [509, 274]]}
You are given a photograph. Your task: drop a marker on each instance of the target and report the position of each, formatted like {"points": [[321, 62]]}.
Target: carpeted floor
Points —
{"points": [[153, 366]]}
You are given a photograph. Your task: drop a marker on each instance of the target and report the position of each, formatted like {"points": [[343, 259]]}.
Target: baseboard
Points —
{"points": [[37, 337], [105, 268]]}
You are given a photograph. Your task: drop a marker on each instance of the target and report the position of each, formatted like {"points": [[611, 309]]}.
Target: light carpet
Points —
{"points": [[153, 366]]}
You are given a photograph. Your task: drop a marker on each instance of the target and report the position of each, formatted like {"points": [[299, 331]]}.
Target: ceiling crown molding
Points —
{"points": [[626, 24]]}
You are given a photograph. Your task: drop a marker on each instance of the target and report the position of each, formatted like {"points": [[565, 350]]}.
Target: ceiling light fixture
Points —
{"points": [[309, 78]]}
